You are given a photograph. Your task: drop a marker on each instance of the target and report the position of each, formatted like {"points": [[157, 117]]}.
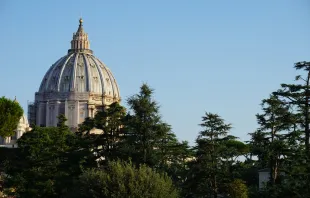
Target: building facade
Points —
{"points": [[77, 85]]}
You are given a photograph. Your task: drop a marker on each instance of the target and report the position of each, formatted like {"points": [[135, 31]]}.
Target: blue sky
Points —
{"points": [[220, 56]]}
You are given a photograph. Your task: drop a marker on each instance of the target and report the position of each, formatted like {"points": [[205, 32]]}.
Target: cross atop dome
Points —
{"points": [[80, 42]]}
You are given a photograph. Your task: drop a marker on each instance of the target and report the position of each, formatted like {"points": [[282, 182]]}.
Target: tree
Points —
{"points": [[123, 179], [298, 96], [174, 157], [106, 144], [144, 129], [233, 150], [110, 121], [208, 174], [258, 147], [33, 170], [47, 161], [10, 114], [237, 189], [275, 122]]}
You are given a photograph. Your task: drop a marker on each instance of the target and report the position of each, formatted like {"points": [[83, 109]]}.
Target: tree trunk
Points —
{"points": [[307, 117], [273, 159], [215, 186]]}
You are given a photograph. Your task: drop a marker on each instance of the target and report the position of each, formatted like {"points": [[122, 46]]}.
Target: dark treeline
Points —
{"points": [[138, 155]]}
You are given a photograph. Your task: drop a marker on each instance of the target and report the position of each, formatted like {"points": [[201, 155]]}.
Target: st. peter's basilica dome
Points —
{"points": [[77, 85]]}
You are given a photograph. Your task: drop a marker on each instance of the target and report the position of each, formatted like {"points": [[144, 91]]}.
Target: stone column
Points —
{"points": [[66, 111], [77, 112], [39, 113], [47, 118], [88, 111], [18, 134], [56, 113], [91, 111]]}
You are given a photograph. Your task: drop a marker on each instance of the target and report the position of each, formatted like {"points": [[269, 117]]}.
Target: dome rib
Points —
{"points": [[47, 86], [87, 66], [112, 80], [73, 80], [62, 70], [87, 85], [100, 74], [44, 83]]}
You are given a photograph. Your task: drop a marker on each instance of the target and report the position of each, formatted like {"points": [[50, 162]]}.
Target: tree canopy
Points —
{"points": [[137, 153], [122, 179], [10, 114]]}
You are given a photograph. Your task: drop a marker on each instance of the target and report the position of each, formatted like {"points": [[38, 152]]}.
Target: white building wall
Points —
{"points": [[263, 178]]}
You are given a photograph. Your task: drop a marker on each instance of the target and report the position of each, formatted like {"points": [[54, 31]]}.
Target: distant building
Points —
{"points": [[22, 128], [263, 177], [77, 85]]}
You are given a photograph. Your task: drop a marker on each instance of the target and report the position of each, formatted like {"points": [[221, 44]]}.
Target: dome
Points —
{"points": [[77, 85], [23, 121], [80, 72]]}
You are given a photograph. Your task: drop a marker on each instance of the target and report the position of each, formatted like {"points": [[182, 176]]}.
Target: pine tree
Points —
{"points": [[275, 123], [110, 121], [298, 96], [144, 130], [107, 143], [208, 171]]}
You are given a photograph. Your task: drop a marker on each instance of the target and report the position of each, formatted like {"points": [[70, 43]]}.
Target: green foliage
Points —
{"points": [[174, 157], [43, 162], [107, 144], [235, 149], [145, 132], [297, 96], [10, 114], [54, 162], [36, 159], [209, 172], [237, 189], [269, 140], [122, 179], [281, 143]]}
